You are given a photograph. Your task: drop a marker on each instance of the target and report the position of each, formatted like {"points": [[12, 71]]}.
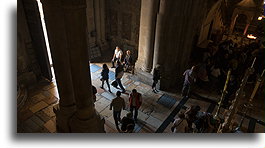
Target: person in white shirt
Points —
{"points": [[117, 56]]}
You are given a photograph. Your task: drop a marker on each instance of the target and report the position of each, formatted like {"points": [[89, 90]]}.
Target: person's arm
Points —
{"points": [[120, 54]]}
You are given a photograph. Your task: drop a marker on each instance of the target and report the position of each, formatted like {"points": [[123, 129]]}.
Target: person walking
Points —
{"points": [[189, 79], [116, 56], [117, 104], [105, 76], [156, 78], [135, 101], [118, 75]]}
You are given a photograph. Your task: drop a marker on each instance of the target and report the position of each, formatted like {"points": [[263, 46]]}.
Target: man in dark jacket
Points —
{"points": [[156, 78], [118, 104], [118, 75]]}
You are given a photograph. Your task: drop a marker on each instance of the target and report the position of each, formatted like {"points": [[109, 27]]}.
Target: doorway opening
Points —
{"points": [[46, 37]]}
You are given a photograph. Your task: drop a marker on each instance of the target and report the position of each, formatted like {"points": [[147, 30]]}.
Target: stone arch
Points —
{"points": [[212, 21], [249, 14]]}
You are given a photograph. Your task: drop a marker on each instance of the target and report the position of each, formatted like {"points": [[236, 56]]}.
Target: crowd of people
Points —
{"points": [[194, 121], [216, 61], [213, 70]]}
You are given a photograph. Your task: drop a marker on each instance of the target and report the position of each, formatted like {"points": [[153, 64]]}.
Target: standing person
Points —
{"points": [[156, 78], [180, 124], [128, 61], [118, 104], [105, 76], [135, 101], [188, 81], [94, 91], [118, 75], [116, 56]]}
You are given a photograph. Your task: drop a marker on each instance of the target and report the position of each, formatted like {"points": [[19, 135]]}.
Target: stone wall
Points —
{"points": [[28, 68], [122, 23]]}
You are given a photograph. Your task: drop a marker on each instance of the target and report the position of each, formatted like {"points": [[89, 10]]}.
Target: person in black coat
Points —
{"points": [[105, 76], [156, 78]]}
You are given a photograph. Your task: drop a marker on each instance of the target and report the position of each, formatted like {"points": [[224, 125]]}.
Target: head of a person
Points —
{"points": [[129, 115], [181, 115], [157, 66], [128, 52], [134, 91], [118, 48], [118, 93], [105, 66], [192, 68], [197, 108]]}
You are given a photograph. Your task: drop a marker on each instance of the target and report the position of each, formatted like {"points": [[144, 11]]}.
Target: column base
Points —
{"points": [[95, 124], [63, 115]]}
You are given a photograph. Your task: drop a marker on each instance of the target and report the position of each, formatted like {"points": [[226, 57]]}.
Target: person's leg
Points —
{"points": [[184, 90], [136, 113], [108, 84], [102, 86], [113, 62], [119, 116], [131, 109], [188, 90], [115, 117], [120, 84], [154, 86]]}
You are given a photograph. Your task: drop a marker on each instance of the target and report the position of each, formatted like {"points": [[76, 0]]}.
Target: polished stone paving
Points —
{"points": [[37, 114]]}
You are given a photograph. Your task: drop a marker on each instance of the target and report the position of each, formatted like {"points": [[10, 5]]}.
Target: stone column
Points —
{"points": [[99, 11], [158, 51], [233, 22], [246, 28], [73, 27], [57, 39], [149, 10], [102, 21], [177, 24]]}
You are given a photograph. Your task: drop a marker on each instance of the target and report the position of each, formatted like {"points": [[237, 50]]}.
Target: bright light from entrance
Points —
{"points": [[44, 30], [250, 36]]}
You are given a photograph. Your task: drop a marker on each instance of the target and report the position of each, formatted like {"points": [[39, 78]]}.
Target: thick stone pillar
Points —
{"points": [[72, 28], [246, 29], [158, 52], [57, 40], [233, 22], [99, 11], [177, 24], [149, 10]]}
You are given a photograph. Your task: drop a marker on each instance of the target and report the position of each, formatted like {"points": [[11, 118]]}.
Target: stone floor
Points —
{"points": [[37, 115]]}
